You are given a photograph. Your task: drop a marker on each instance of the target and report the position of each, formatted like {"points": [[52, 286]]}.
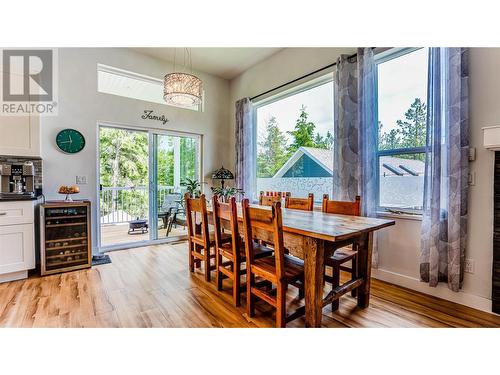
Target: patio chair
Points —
{"points": [[170, 203], [177, 217]]}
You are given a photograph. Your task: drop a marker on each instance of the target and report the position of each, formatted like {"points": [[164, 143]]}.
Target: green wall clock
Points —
{"points": [[70, 141]]}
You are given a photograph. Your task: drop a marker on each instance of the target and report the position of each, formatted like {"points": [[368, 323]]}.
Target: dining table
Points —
{"points": [[313, 236]]}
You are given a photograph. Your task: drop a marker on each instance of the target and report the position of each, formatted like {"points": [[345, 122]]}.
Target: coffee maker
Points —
{"points": [[17, 178]]}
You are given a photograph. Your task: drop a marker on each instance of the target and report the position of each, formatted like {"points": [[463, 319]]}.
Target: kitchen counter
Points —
{"points": [[17, 197]]}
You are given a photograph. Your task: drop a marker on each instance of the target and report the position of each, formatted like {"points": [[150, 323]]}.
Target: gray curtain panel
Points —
{"points": [[355, 132], [444, 225], [245, 148]]}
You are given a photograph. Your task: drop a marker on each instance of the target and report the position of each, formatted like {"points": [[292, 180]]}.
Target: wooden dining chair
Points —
{"points": [[304, 204], [281, 269], [200, 239], [345, 251], [233, 251], [267, 198]]}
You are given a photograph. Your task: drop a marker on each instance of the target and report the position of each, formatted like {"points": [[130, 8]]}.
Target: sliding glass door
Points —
{"points": [[143, 175], [176, 164]]}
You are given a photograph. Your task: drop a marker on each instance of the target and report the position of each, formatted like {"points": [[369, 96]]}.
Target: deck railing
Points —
{"points": [[122, 204]]}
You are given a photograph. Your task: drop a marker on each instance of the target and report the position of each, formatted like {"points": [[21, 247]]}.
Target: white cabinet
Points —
{"points": [[17, 239], [491, 137], [16, 212], [20, 135], [16, 248]]}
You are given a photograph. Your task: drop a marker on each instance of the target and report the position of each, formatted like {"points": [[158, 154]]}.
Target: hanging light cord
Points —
{"points": [[175, 52], [186, 54]]}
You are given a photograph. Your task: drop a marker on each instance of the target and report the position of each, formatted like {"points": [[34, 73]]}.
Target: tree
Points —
{"points": [[188, 156], [165, 167], [273, 153], [123, 157], [409, 133], [303, 135], [325, 142], [124, 162], [388, 141], [413, 129]]}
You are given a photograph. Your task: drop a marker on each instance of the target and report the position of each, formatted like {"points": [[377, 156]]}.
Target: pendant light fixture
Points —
{"points": [[184, 89]]}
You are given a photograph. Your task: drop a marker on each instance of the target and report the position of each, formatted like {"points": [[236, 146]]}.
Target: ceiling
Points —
{"points": [[223, 62]]}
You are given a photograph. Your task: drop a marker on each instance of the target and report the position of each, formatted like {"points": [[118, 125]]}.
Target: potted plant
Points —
{"points": [[226, 192], [192, 186]]}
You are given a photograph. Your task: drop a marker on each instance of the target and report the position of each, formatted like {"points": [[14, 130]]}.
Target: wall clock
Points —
{"points": [[70, 141]]}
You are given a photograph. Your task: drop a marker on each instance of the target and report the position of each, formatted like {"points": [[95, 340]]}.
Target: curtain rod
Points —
{"points": [[300, 78]]}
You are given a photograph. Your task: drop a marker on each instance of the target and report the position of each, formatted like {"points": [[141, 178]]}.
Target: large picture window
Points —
{"points": [[295, 140], [402, 114]]}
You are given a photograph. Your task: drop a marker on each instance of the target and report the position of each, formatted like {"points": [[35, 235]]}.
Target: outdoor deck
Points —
{"points": [[115, 234]]}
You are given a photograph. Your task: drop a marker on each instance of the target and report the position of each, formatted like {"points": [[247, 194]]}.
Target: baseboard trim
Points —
{"points": [[441, 291], [13, 276]]}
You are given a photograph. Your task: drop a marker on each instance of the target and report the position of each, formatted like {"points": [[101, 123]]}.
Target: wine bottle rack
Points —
{"points": [[65, 236]]}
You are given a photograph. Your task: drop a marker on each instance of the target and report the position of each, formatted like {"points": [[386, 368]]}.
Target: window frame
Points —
{"points": [[380, 58], [308, 84]]}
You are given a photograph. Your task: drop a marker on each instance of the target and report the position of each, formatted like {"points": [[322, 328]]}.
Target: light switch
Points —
{"points": [[81, 180]]}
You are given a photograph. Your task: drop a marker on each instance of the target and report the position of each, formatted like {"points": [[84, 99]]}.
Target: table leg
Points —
{"points": [[314, 251], [365, 268]]}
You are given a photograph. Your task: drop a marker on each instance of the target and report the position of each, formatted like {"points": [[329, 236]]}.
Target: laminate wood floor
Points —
{"points": [[152, 287]]}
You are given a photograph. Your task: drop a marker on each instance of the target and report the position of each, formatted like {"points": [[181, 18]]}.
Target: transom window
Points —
{"points": [[402, 119], [115, 81]]}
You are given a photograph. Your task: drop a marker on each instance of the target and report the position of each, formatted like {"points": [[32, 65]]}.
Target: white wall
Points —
{"points": [[399, 246], [81, 107]]}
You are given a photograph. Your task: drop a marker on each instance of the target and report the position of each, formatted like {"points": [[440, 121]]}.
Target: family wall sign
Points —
{"points": [[150, 115]]}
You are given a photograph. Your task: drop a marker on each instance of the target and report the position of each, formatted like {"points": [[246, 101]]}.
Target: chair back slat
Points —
{"points": [[268, 221], [267, 198], [304, 204], [226, 211], [197, 206], [342, 207]]}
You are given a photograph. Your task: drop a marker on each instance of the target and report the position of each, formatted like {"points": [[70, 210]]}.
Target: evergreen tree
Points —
{"points": [[273, 153], [388, 141], [328, 143], [409, 133], [413, 129], [319, 141], [325, 142], [303, 135]]}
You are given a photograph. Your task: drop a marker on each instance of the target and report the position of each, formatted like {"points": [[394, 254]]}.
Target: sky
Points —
{"points": [[400, 81], [319, 103]]}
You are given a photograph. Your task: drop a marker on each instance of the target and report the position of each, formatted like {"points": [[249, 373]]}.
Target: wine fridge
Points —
{"points": [[65, 236]]}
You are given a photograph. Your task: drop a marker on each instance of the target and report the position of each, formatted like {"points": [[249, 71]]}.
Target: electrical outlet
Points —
{"points": [[469, 265], [472, 154], [81, 180], [472, 178]]}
